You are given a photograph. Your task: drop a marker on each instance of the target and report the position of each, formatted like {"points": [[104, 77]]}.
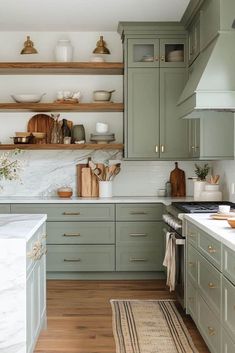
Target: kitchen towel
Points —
{"points": [[169, 260]]}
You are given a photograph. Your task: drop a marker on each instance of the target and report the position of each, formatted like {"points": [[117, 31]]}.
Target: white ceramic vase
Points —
{"points": [[199, 186], [105, 189], [64, 51]]}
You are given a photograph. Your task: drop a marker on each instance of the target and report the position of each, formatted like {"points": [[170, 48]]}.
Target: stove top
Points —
{"points": [[200, 207]]}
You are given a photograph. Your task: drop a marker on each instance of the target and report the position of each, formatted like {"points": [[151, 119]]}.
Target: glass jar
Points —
{"points": [[64, 51]]}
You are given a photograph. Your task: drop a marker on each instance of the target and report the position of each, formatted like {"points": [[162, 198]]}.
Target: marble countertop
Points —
{"points": [[18, 226], [219, 229], [116, 199]]}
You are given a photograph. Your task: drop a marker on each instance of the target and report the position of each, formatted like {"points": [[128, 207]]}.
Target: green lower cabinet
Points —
{"points": [[228, 263], [139, 257], [191, 300], [209, 326], [81, 233], [139, 212], [227, 344], [72, 258], [228, 306], [191, 265], [133, 232]]}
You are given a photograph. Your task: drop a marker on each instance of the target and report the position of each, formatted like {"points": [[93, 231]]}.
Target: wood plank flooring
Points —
{"points": [[80, 317]]}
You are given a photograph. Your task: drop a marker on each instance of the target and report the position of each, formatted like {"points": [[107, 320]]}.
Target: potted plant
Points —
{"points": [[199, 184]]}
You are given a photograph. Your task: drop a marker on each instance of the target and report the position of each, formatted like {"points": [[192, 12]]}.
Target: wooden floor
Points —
{"points": [[79, 314]]}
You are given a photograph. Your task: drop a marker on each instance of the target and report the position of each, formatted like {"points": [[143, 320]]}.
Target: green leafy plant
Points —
{"points": [[202, 171], [10, 167]]}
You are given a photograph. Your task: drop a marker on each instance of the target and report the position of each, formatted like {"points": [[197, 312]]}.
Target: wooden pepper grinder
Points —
{"points": [[177, 179]]}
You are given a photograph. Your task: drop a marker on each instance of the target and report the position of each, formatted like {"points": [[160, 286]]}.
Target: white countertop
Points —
{"points": [[18, 226], [116, 199], [219, 229]]}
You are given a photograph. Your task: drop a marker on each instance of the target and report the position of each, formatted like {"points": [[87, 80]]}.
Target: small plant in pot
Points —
{"points": [[202, 171]]}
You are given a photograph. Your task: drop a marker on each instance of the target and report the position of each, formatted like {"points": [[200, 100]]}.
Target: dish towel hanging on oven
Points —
{"points": [[169, 260]]}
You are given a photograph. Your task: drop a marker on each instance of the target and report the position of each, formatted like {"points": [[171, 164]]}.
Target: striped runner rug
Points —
{"points": [[149, 326]]}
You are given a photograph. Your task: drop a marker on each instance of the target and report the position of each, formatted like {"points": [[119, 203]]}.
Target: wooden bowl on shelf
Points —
{"points": [[231, 222]]}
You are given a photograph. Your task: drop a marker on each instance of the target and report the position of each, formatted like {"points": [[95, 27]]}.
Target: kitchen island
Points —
{"points": [[23, 285]]}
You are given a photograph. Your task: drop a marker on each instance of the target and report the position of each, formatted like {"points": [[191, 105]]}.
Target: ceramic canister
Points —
{"points": [[64, 50], [78, 133]]}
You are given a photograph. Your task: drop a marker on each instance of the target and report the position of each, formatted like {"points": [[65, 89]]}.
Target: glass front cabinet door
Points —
{"points": [[172, 53]]}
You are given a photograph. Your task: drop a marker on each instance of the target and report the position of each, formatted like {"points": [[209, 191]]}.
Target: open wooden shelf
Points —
{"points": [[84, 146], [62, 107], [52, 68]]}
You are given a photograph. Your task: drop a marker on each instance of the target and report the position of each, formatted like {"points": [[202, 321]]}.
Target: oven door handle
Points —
{"points": [[178, 241]]}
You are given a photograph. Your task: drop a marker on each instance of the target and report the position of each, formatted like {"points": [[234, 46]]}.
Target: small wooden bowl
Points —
{"points": [[231, 222], [65, 192]]}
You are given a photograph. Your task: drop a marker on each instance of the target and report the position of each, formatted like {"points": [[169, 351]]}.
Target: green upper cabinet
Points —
{"points": [[210, 21], [194, 40], [143, 52], [143, 113], [194, 138], [172, 82]]}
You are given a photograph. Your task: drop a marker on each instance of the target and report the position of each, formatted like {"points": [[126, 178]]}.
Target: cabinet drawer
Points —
{"points": [[69, 258], [192, 300], [129, 232], [228, 346], [69, 212], [81, 232], [192, 264], [209, 283], [5, 209], [139, 212], [208, 325], [210, 248], [228, 306], [140, 257], [192, 234], [229, 264]]}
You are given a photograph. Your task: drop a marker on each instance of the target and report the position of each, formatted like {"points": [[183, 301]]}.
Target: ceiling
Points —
{"points": [[84, 15]]}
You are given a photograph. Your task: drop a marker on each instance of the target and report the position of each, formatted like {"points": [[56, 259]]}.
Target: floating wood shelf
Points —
{"points": [[84, 146], [62, 107], [52, 68]]}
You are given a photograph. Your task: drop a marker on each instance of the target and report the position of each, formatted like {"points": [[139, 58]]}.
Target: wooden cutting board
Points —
{"points": [[177, 180], [41, 123]]}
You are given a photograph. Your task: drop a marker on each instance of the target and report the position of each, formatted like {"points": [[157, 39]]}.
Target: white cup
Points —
{"points": [[224, 208], [105, 188], [101, 128]]}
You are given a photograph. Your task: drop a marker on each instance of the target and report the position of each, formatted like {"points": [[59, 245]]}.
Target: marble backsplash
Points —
{"points": [[45, 171]]}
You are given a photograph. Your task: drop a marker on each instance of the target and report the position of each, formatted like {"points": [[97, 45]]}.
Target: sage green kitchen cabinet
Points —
{"points": [[210, 21], [153, 130], [152, 52], [228, 307], [212, 136], [228, 345], [194, 39], [5, 209]]}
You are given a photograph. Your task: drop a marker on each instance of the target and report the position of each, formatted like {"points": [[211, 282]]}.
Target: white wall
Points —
{"points": [[46, 170]]}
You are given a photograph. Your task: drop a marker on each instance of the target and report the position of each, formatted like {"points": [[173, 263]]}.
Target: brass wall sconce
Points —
{"points": [[101, 47], [28, 47]]}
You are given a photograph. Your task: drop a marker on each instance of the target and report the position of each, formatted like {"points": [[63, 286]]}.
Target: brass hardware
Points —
{"points": [[156, 148], [138, 213], [211, 285], [71, 213], [28, 47], [192, 235], [162, 148], [101, 47], [211, 331], [191, 263], [72, 260], [133, 259], [156, 58], [72, 235], [211, 250], [138, 235], [192, 147], [163, 58]]}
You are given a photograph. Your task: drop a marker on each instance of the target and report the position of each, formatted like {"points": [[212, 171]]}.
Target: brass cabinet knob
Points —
{"points": [[163, 58], [211, 331], [211, 250]]}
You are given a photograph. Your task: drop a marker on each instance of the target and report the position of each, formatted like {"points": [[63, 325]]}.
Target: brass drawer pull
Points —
{"points": [[191, 263], [211, 285], [162, 148], [71, 213], [138, 235], [72, 260], [211, 331], [72, 235], [137, 213], [211, 250], [134, 259]]}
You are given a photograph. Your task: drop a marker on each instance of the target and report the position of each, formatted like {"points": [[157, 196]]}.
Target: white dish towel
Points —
{"points": [[169, 260]]}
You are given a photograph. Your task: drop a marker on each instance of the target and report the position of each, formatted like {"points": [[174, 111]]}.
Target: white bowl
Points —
{"points": [[212, 187], [27, 98]]}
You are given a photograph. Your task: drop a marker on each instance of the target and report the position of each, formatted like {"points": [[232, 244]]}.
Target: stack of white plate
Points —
{"points": [[102, 138], [175, 55]]}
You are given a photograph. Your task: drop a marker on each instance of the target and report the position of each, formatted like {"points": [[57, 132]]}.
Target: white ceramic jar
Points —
{"points": [[64, 51]]}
